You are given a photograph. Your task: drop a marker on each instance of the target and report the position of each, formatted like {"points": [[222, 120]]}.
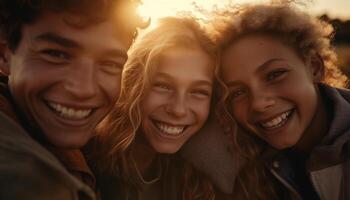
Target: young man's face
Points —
{"points": [[177, 104], [272, 91], [65, 79]]}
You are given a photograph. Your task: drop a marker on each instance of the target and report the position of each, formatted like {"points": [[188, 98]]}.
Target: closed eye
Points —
{"points": [[201, 93], [111, 66], [163, 87]]}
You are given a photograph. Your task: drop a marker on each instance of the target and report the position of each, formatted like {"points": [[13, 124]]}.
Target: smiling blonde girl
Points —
{"points": [[167, 87]]}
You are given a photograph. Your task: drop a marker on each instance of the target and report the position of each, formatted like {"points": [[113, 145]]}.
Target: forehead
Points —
{"points": [[186, 62], [66, 25], [257, 45], [249, 52]]}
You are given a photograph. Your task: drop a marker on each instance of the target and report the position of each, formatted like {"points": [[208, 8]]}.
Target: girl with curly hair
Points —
{"points": [[282, 90], [166, 93]]}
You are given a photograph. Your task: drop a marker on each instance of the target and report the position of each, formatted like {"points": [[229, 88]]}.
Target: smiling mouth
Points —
{"points": [[69, 113], [170, 130], [277, 122]]}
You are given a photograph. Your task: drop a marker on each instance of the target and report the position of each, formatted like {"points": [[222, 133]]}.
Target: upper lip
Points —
{"points": [[264, 119], [169, 123], [74, 106]]}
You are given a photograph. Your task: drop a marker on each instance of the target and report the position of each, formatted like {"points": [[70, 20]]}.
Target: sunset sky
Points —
{"points": [[160, 8]]}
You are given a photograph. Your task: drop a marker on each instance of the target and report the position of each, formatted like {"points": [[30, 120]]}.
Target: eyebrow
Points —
{"points": [[55, 38], [261, 68], [197, 82]]}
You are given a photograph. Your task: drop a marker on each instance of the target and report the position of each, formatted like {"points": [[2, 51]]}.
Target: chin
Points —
{"points": [[66, 143], [282, 146], [168, 149]]}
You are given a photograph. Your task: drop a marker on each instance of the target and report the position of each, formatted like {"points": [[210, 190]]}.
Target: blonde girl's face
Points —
{"points": [[176, 105], [272, 90]]}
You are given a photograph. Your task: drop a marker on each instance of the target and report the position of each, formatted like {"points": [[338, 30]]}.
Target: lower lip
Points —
{"points": [[280, 128], [165, 135]]}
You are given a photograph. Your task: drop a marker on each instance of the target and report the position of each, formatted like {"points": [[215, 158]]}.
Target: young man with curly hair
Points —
{"points": [[60, 65]]}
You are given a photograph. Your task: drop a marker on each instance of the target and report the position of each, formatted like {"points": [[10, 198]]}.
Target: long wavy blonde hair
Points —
{"points": [[111, 149], [308, 35]]}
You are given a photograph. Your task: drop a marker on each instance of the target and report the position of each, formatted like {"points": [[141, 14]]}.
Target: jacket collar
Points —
{"points": [[331, 150]]}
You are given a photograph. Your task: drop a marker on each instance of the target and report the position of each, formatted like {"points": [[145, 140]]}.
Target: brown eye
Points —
{"points": [[275, 74], [238, 93], [161, 86], [55, 54]]}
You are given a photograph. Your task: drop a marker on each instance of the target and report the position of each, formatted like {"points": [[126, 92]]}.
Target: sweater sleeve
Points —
{"points": [[209, 152]]}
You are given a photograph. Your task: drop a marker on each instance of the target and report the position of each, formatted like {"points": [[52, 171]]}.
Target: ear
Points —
{"points": [[5, 55], [317, 67]]}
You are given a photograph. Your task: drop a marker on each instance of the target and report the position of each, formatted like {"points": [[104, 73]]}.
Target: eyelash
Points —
{"points": [[275, 74], [237, 93], [201, 92], [162, 86], [111, 66], [56, 53], [165, 87]]}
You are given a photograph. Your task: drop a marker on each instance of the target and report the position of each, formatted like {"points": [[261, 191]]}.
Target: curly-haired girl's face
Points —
{"points": [[177, 103], [272, 90]]}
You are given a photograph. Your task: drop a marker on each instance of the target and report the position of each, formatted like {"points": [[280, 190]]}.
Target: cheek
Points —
{"points": [[110, 86], [302, 93], [240, 112], [27, 84], [297, 86], [152, 101], [201, 110]]}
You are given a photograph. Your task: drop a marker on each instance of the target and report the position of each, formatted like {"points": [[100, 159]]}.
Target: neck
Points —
{"points": [[145, 158], [318, 128]]}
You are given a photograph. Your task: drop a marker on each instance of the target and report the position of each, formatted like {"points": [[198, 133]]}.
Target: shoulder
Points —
{"points": [[29, 171], [25, 177], [345, 93]]}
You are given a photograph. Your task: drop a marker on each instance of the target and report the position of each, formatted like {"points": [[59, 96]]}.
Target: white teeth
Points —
{"points": [[276, 122], [69, 113], [171, 130]]}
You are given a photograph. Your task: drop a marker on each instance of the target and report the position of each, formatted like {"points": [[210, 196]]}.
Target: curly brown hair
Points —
{"points": [[308, 35], [16, 13]]}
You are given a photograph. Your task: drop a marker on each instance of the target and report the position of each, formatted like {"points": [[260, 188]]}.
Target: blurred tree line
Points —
{"points": [[341, 42]]}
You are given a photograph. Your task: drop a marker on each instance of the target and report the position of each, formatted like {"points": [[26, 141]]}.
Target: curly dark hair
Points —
{"points": [[16, 13], [307, 34]]}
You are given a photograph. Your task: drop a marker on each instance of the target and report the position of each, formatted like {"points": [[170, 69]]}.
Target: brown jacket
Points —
{"points": [[29, 171]]}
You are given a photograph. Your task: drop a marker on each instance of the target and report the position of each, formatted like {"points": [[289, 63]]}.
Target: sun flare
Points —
{"points": [[155, 9]]}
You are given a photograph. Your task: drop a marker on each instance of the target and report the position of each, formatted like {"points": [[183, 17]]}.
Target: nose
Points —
{"points": [[262, 101], [81, 81], [177, 106]]}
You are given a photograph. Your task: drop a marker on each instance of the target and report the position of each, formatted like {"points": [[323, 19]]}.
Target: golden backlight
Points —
{"points": [[160, 8]]}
